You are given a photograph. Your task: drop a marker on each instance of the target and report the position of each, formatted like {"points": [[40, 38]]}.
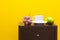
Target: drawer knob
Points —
{"points": [[37, 35]]}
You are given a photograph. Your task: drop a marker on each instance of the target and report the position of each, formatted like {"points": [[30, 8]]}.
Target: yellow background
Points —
{"points": [[13, 11]]}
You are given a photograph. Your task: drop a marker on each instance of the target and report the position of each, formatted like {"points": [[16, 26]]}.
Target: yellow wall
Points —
{"points": [[12, 10]]}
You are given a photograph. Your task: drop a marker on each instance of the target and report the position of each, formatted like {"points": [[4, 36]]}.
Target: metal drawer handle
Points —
{"points": [[37, 35]]}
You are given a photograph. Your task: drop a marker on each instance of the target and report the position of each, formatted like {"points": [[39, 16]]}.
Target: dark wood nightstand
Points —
{"points": [[38, 32]]}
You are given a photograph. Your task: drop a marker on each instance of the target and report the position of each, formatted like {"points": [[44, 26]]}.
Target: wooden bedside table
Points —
{"points": [[38, 32]]}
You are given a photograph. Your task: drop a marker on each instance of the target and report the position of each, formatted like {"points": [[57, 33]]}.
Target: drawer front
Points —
{"points": [[38, 33]]}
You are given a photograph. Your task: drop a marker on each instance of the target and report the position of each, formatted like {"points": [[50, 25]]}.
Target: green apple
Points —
{"points": [[50, 20]]}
